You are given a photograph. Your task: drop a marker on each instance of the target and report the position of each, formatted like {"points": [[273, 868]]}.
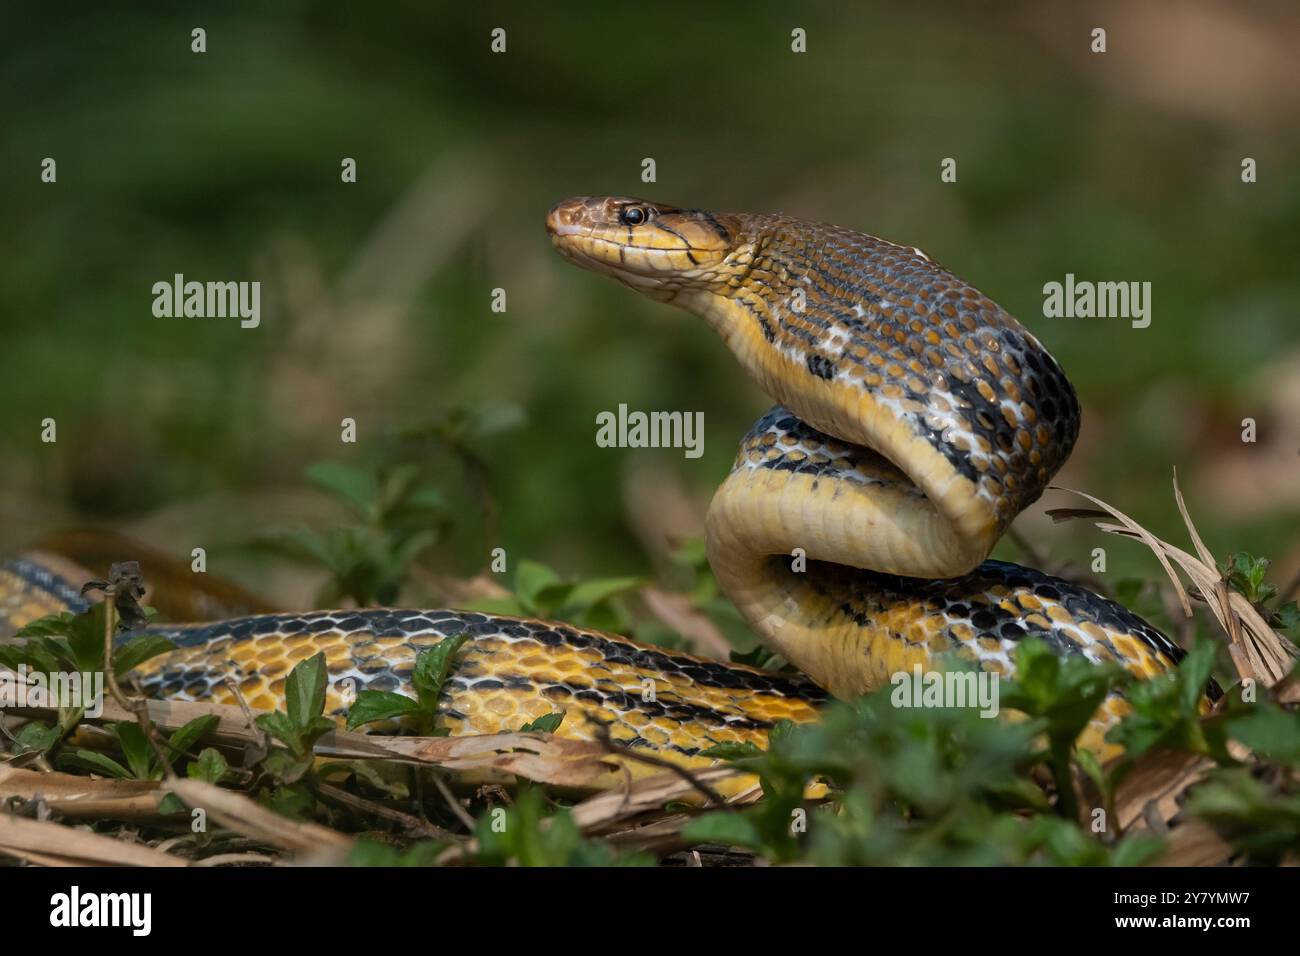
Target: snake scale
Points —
{"points": [[916, 420]]}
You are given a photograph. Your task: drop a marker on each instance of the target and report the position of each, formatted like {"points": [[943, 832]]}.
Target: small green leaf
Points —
{"points": [[547, 723], [431, 670], [210, 766], [86, 639], [136, 651], [1193, 675], [730, 752], [396, 485], [283, 729], [35, 737], [49, 654], [185, 737], [304, 691], [135, 747], [781, 731], [171, 805], [292, 800], [99, 763], [372, 705], [1087, 760]]}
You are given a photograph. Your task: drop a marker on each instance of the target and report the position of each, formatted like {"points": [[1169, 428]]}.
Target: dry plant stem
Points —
{"points": [[1258, 653], [137, 705], [81, 798], [53, 844], [261, 738], [452, 802]]}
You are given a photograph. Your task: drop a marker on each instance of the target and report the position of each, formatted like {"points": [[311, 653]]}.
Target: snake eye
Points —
{"points": [[633, 215]]}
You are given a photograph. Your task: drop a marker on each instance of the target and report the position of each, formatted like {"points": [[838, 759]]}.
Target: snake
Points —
{"points": [[915, 419]]}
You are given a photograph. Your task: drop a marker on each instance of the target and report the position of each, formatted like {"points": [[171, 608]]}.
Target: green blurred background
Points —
{"points": [[376, 295]]}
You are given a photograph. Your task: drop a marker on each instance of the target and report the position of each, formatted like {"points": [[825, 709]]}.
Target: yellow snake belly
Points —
{"points": [[917, 419]]}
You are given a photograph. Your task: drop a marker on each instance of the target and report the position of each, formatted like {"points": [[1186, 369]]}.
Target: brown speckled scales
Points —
{"points": [[917, 419], [956, 369]]}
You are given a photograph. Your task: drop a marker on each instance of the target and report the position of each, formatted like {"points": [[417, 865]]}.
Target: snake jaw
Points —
{"points": [[656, 249]]}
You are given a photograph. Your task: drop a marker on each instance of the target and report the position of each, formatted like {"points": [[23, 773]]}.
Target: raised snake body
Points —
{"points": [[917, 419]]}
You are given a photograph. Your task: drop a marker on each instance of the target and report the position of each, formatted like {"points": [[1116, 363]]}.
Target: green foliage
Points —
{"points": [[1245, 574], [431, 669], [142, 762], [398, 516], [297, 727], [71, 643], [1062, 694], [932, 786], [907, 785]]}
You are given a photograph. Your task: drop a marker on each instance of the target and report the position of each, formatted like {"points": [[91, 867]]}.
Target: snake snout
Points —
{"points": [[568, 217]]}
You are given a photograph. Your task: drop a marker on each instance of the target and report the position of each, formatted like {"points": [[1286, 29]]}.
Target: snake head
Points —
{"points": [[657, 249]]}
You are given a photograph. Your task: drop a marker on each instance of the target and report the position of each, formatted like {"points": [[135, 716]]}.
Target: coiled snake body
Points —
{"points": [[917, 419]]}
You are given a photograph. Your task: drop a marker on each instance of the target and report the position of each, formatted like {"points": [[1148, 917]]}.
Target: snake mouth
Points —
{"points": [[653, 247], [629, 265]]}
